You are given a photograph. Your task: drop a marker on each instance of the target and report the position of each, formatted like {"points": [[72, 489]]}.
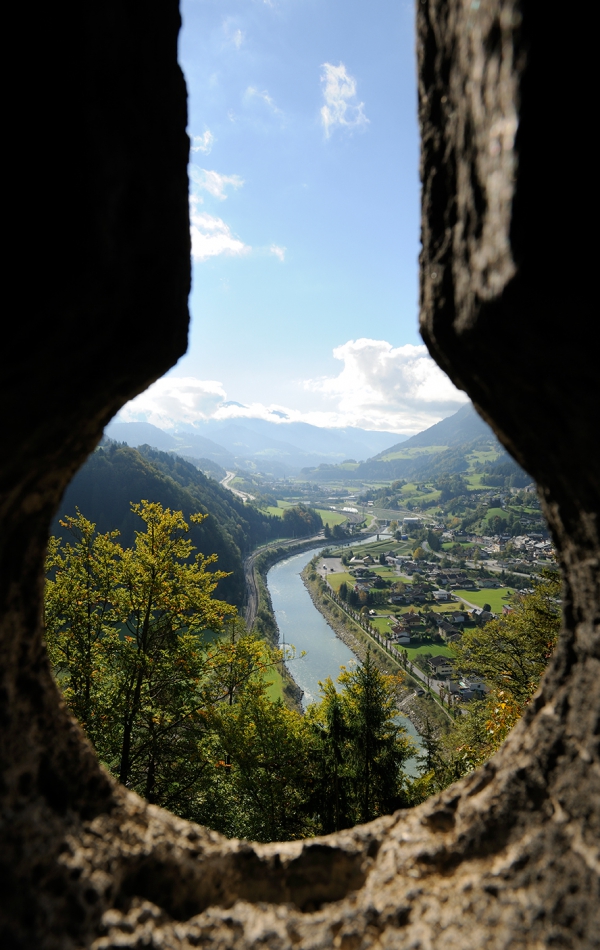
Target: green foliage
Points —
{"points": [[300, 521], [360, 748], [263, 788], [123, 633], [434, 540], [173, 692], [511, 653]]}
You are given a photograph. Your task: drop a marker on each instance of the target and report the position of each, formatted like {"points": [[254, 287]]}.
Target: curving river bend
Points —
{"points": [[301, 624]]}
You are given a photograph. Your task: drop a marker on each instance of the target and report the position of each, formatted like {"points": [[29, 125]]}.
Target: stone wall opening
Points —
{"points": [[509, 855]]}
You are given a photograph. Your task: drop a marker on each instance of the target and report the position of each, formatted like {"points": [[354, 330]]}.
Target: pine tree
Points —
{"points": [[378, 744]]}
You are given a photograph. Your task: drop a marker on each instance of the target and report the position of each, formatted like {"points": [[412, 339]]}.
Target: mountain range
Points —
{"points": [[321, 454], [276, 449]]}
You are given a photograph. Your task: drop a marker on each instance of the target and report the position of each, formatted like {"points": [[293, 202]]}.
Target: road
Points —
{"points": [[226, 483], [250, 577]]}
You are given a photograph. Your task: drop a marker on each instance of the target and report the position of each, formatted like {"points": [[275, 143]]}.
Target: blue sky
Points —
{"points": [[305, 219]]}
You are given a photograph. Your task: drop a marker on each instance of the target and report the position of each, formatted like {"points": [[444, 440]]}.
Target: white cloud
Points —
{"points": [[173, 400], [341, 108], [397, 389], [278, 251], [211, 236], [252, 93], [213, 182], [203, 143], [234, 36], [382, 386]]}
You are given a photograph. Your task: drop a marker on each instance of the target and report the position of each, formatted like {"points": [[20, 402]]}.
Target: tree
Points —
{"points": [[124, 631], [300, 521], [378, 745], [83, 607], [511, 653], [332, 795], [173, 692], [360, 748], [264, 769], [434, 541]]}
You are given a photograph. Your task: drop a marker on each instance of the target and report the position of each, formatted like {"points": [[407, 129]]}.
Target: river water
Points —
{"points": [[301, 624]]}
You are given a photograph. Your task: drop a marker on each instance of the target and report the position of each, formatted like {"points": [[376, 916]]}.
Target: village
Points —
{"points": [[419, 601]]}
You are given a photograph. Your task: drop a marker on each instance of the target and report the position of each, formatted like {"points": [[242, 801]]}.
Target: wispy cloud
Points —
{"points": [[203, 143], [278, 251], [213, 182], [252, 93], [341, 107], [211, 236], [233, 35]]}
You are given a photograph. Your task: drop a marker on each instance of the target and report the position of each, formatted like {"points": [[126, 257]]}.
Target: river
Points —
{"points": [[301, 624]]}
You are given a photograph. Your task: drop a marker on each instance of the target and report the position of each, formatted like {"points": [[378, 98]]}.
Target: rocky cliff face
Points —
{"points": [[509, 856]]}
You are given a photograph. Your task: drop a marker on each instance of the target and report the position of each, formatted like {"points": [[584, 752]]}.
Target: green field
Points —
{"points": [[382, 624], [474, 482], [475, 458], [434, 649], [275, 690], [495, 598], [331, 517], [336, 580], [491, 513], [375, 548], [413, 453]]}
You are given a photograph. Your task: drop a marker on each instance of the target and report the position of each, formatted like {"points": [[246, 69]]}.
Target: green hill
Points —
{"points": [[463, 442], [116, 475], [465, 426]]}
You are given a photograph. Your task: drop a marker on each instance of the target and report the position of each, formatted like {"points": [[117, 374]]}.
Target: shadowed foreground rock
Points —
{"points": [[509, 856]]}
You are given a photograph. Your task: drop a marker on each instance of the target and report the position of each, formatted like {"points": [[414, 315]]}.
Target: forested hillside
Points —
{"points": [[116, 475]]}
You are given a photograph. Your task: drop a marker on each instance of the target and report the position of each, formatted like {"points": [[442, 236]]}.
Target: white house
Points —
{"points": [[440, 665]]}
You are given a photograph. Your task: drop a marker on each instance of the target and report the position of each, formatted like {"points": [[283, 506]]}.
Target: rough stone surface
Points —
{"points": [[507, 858]]}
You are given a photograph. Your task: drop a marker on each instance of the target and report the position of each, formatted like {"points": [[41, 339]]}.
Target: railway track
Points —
{"points": [[250, 577]]}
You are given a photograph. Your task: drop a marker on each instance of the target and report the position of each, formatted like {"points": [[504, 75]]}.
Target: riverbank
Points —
{"points": [[265, 624], [422, 711]]}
